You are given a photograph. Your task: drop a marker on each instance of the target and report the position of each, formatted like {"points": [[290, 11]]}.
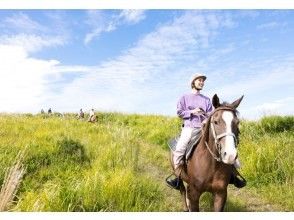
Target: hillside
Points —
{"points": [[120, 163]]}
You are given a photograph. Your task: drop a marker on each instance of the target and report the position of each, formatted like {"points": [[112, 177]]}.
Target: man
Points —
{"points": [[194, 108], [92, 116], [81, 114]]}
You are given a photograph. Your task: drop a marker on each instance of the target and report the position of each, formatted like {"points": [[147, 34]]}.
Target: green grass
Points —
{"points": [[276, 124], [266, 149], [120, 163]]}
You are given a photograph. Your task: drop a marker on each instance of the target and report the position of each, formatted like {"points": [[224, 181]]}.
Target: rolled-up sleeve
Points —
{"points": [[182, 110]]}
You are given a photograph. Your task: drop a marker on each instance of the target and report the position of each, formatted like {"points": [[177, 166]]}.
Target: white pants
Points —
{"points": [[187, 135]]}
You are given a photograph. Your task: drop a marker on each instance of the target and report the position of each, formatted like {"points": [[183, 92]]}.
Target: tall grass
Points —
{"points": [[77, 166], [12, 181], [276, 124], [120, 163], [266, 149]]}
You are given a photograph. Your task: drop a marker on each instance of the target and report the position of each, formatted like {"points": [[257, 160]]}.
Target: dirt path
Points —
{"points": [[249, 201]]}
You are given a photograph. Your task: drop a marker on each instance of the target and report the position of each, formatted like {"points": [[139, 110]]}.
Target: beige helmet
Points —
{"points": [[196, 76]]}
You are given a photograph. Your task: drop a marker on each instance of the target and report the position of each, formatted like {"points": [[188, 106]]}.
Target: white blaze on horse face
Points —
{"points": [[229, 151]]}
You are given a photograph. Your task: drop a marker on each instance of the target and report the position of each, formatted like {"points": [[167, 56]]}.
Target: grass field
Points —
{"points": [[120, 163]]}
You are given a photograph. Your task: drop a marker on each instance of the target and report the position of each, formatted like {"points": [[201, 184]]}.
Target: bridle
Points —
{"points": [[218, 137]]}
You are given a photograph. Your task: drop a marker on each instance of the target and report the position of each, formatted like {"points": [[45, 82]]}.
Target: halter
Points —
{"points": [[216, 137]]}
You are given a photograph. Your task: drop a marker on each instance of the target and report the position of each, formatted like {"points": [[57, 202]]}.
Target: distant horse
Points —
{"points": [[211, 163]]}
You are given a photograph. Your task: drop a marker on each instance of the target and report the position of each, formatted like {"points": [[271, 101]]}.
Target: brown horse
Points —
{"points": [[210, 167]]}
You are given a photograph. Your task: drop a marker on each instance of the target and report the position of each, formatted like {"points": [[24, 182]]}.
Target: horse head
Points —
{"points": [[223, 123]]}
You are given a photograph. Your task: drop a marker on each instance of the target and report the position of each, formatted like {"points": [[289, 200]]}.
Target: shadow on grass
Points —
{"points": [[235, 206], [232, 205]]}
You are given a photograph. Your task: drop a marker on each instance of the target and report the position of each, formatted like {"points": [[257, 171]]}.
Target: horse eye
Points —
{"points": [[215, 122]]}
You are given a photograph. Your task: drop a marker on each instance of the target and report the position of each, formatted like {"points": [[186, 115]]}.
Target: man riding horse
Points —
{"points": [[194, 108]]}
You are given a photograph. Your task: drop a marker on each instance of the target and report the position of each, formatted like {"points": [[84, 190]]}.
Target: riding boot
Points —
{"points": [[174, 183], [180, 173], [238, 182]]}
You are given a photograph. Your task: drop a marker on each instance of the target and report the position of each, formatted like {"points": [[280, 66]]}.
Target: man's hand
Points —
{"points": [[204, 121], [197, 111]]}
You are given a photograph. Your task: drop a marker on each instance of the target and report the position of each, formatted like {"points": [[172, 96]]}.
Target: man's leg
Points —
{"points": [[178, 156]]}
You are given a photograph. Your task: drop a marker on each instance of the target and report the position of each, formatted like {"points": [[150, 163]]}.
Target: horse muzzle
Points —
{"points": [[229, 158]]}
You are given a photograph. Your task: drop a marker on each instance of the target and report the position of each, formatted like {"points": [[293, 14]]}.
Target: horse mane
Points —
{"points": [[205, 129]]}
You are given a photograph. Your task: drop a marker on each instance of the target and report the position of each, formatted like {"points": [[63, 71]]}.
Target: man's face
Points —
{"points": [[199, 83]]}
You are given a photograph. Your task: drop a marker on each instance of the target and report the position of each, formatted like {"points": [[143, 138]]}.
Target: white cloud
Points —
{"points": [[90, 36], [22, 79], [282, 106], [265, 77], [258, 81], [31, 42], [132, 16], [21, 30], [22, 22], [101, 22], [132, 82], [274, 105]]}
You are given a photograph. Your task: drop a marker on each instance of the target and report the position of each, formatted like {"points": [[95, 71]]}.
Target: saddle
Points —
{"points": [[172, 143]]}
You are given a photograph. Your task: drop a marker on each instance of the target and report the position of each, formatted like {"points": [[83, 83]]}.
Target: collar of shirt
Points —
{"points": [[195, 92]]}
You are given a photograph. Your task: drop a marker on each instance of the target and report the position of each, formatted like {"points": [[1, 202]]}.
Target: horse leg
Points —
{"points": [[220, 199], [184, 196], [193, 196]]}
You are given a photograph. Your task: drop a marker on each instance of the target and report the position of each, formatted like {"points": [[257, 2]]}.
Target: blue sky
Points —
{"points": [[140, 61]]}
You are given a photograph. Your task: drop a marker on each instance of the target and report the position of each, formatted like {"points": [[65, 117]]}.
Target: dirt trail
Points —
{"points": [[250, 202]]}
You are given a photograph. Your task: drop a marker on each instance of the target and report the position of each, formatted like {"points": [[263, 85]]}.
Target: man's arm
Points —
{"points": [[182, 110]]}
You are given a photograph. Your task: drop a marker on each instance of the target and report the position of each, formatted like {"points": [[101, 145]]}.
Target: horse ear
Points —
{"points": [[236, 103], [215, 101]]}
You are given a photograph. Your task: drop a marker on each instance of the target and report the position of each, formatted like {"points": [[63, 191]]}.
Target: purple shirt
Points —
{"points": [[189, 102]]}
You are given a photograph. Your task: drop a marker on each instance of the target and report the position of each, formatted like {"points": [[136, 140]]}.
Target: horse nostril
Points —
{"points": [[225, 154]]}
